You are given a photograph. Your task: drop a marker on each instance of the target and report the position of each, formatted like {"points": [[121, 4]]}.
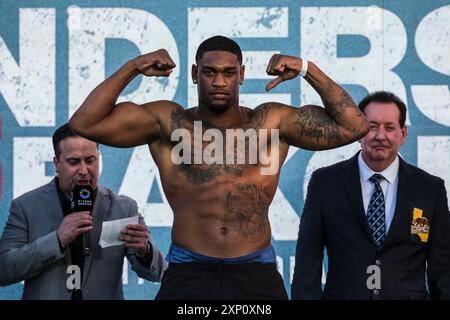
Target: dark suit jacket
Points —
{"points": [[29, 248], [334, 218]]}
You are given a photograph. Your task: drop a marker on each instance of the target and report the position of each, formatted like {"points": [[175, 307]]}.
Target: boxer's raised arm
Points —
{"points": [[313, 127], [126, 124]]}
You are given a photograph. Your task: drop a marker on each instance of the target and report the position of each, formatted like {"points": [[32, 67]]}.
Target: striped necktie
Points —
{"points": [[376, 212]]}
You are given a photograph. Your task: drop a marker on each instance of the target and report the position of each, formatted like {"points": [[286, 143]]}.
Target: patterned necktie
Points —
{"points": [[375, 212]]}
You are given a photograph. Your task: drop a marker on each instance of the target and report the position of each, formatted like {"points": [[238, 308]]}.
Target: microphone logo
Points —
{"points": [[85, 193], [82, 198]]}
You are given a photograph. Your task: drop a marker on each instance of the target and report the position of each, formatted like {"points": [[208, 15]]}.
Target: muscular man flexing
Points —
{"points": [[221, 233]]}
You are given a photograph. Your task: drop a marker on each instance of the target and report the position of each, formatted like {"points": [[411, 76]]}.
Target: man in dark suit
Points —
{"points": [[42, 239], [385, 223]]}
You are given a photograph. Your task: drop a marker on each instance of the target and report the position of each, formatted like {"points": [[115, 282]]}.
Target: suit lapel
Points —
{"points": [[99, 212], [403, 196], [352, 185], [52, 206]]}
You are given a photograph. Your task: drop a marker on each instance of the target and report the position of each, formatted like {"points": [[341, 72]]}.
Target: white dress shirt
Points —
{"points": [[389, 185]]}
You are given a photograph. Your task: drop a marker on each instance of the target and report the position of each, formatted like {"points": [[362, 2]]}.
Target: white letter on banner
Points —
{"points": [[320, 27], [433, 48], [29, 89], [433, 156], [88, 30], [30, 156]]}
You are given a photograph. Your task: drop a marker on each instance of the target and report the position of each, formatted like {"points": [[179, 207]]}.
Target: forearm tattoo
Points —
{"points": [[337, 101], [315, 123]]}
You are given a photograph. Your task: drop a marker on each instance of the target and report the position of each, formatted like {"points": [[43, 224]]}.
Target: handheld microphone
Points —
{"points": [[82, 199]]}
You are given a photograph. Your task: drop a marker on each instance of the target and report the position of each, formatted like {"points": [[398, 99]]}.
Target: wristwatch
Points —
{"points": [[147, 251]]}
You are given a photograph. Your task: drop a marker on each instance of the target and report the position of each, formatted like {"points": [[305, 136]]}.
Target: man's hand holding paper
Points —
{"points": [[135, 237]]}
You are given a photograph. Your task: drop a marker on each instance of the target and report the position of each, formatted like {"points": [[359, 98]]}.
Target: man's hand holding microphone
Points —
{"points": [[73, 225]]}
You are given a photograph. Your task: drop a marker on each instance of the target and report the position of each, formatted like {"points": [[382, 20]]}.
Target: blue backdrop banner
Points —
{"points": [[53, 53]]}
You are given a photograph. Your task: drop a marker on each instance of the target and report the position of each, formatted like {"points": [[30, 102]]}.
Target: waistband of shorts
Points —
{"points": [[178, 254], [223, 266]]}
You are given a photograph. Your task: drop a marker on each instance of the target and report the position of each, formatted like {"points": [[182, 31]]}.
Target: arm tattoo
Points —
{"points": [[248, 206], [346, 103], [315, 123], [336, 102], [337, 109], [257, 117]]}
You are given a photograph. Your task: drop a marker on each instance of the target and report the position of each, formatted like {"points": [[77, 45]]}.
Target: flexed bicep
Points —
{"points": [[101, 119], [130, 125]]}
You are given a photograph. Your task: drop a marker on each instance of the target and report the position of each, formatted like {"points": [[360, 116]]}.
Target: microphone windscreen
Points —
{"points": [[82, 198]]}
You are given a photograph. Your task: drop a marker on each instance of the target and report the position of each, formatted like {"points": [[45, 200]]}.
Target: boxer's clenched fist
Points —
{"points": [[285, 67], [155, 64]]}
